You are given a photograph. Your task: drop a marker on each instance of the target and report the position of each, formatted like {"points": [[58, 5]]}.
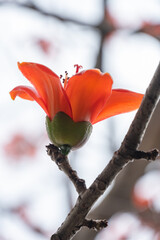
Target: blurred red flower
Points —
{"points": [[44, 45], [151, 29], [19, 146], [140, 201]]}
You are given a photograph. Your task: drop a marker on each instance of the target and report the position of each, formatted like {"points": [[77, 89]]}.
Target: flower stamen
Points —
{"points": [[77, 67], [65, 80]]}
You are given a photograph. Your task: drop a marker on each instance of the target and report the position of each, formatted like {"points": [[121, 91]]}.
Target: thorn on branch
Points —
{"points": [[63, 164], [95, 224]]}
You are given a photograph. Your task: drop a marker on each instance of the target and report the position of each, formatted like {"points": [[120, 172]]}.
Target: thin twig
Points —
{"points": [[63, 164], [128, 147], [152, 155], [32, 6], [95, 224]]}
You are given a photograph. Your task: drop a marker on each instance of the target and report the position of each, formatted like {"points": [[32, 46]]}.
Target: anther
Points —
{"points": [[66, 75], [77, 67], [65, 81]]}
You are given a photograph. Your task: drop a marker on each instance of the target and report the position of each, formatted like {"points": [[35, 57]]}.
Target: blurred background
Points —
{"points": [[121, 37]]}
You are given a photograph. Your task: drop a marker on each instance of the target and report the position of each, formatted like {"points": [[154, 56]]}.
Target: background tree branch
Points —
{"points": [[32, 6]]}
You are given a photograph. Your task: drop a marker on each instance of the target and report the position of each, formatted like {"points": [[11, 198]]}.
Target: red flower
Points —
{"points": [[86, 96]]}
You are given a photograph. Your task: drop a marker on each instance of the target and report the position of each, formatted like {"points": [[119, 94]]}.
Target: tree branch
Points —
{"points": [[63, 164], [32, 6], [126, 152]]}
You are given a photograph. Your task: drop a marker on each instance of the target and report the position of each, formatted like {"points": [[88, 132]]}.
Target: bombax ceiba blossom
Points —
{"points": [[72, 107]]}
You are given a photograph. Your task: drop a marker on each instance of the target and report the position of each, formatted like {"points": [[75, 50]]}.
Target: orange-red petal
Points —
{"points": [[120, 101], [48, 87], [88, 91], [28, 93]]}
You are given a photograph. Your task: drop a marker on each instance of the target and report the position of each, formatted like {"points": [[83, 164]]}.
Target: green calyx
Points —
{"points": [[67, 134]]}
